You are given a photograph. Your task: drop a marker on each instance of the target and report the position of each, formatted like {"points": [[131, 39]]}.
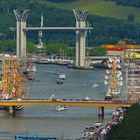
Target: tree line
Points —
{"points": [[61, 0], [133, 3], [129, 128], [52, 48]]}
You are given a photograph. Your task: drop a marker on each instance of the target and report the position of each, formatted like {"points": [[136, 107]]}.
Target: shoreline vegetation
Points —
{"points": [[129, 128]]}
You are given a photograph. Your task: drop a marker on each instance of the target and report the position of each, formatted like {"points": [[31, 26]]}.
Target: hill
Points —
{"points": [[106, 30], [104, 8]]}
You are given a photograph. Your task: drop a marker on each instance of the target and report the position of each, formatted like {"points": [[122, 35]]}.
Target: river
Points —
{"points": [[45, 120]]}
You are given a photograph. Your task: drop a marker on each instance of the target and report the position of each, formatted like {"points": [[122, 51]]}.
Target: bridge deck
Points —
{"points": [[72, 103], [57, 28]]}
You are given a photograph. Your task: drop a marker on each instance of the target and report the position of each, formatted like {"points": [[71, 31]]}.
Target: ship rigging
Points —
{"points": [[12, 84]]}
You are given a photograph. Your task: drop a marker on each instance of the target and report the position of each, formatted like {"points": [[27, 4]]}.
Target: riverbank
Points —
{"points": [[129, 128]]}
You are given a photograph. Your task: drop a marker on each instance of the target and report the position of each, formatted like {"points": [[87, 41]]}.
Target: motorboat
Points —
{"points": [[87, 98], [98, 125], [62, 76], [17, 108], [62, 108], [108, 95], [91, 130], [95, 85]]}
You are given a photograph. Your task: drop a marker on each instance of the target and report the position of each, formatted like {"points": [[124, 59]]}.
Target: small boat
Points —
{"points": [[59, 81], [53, 98], [62, 108], [34, 137], [101, 65], [87, 98], [91, 130], [19, 107], [62, 76], [95, 85]]}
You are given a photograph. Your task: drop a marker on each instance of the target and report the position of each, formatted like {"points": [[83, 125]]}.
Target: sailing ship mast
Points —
{"points": [[40, 46], [113, 77], [12, 79]]}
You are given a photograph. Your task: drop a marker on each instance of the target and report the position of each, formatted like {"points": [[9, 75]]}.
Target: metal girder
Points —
{"points": [[58, 28]]}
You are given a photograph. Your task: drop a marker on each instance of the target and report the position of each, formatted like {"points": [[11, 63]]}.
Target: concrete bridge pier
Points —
{"points": [[21, 35], [101, 111], [11, 110], [80, 17]]}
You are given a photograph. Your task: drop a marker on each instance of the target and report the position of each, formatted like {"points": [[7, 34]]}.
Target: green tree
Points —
{"points": [[70, 52], [8, 46], [31, 48], [129, 128], [131, 18], [97, 51], [56, 47]]}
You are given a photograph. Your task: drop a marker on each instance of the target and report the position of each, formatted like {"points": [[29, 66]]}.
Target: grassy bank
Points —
{"points": [[99, 7]]}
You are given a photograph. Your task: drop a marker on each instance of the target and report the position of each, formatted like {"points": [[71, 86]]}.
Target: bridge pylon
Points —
{"points": [[80, 17], [20, 34]]}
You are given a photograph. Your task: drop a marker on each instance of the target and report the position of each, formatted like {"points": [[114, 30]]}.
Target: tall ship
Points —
{"points": [[113, 78], [12, 83], [29, 69]]}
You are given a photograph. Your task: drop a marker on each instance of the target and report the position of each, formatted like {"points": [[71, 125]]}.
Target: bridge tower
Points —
{"points": [[20, 34], [81, 32], [80, 17], [40, 46], [40, 34]]}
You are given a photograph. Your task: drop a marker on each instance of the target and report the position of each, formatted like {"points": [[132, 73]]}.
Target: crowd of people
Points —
{"points": [[100, 132]]}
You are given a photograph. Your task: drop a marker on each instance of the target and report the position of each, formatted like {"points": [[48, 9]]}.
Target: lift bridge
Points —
{"points": [[81, 33], [81, 29]]}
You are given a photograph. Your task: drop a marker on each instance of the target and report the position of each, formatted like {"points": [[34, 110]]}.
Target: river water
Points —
{"points": [[45, 120]]}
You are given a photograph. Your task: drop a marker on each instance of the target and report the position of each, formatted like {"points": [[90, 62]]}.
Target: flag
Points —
{"points": [[13, 90]]}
